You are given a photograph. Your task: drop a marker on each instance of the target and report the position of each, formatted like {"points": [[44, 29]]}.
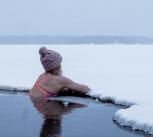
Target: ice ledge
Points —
{"points": [[11, 88], [136, 116], [109, 99]]}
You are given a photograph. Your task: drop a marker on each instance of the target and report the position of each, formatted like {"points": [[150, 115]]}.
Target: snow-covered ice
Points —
{"points": [[122, 73], [137, 117]]}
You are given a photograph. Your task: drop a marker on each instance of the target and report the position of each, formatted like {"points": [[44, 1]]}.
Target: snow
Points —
{"points": [[121, 73], [137, 117]]}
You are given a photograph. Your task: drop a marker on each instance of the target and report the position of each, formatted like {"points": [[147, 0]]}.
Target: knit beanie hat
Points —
{"points": [[49, 59]]}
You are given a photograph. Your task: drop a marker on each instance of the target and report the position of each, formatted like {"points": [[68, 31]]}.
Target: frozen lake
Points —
{"points": [[121, 73]]}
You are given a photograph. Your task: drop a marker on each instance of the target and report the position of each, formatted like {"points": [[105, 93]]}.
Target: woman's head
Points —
{"points": [[51, 60]]}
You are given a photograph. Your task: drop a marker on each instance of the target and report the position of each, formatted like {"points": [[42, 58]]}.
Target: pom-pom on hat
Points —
{"points": [[49, 59]]}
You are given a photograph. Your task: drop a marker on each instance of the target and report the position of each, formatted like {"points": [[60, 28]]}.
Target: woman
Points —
{"points": [[51, 82]]}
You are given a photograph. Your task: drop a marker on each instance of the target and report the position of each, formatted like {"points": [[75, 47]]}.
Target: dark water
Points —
{"points": [[22, 117]]}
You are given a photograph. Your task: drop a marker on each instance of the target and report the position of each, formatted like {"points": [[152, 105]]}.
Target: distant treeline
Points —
{"points": [[27, 39]]}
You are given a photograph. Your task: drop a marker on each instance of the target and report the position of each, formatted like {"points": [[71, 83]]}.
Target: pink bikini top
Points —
{"points": [[46, 93]]}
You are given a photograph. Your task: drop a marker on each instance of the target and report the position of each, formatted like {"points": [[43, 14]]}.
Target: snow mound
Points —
{"points": [[138, 117], [109, 99]]}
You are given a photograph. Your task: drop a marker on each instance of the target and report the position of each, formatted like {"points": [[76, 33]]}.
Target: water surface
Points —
{"points": [[78, 117]]}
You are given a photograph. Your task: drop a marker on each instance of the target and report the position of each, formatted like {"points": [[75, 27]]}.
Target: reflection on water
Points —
{"points": [[21, 116], [53, 111]]}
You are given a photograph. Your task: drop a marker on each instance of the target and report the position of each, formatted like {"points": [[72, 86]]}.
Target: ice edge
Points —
{"points": [[120, 118], [12, 88]]}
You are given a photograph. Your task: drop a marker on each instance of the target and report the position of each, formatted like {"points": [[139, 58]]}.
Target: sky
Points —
{"points": [[76, 17]]}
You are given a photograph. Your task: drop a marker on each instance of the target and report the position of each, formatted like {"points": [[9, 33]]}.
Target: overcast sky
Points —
{"points": [[76, 17]]}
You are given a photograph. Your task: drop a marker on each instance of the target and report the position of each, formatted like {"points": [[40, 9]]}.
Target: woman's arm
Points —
{"points": [[67, 83]]}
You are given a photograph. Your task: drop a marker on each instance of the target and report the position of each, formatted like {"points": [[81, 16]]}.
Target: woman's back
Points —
{"points": [[46, 85]]}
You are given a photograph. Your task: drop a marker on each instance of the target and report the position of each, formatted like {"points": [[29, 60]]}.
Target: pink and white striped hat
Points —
{"points": [[49, 59]]}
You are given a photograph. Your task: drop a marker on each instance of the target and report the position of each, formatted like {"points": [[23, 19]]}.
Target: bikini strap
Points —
{"points": [[41, 80], [37, 84]]}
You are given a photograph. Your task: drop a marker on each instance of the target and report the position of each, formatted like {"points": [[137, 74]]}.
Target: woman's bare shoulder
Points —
{"points": [[64, 79], [56, 78]]}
